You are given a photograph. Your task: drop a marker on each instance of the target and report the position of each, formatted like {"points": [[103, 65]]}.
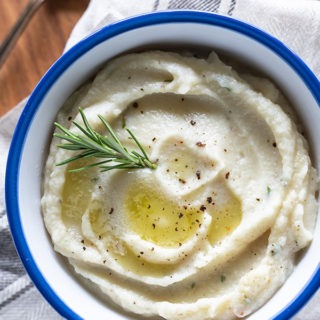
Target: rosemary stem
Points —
{"points": [[94, 145]]}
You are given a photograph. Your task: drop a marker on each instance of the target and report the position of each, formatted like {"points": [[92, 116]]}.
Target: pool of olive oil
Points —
{"points": [[160, 220]]}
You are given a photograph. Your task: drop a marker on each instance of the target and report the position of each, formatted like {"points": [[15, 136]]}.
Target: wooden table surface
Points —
{"points": [[40, 44]]}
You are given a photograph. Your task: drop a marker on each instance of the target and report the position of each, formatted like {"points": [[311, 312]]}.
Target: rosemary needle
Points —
{"points": [[109, 148]]}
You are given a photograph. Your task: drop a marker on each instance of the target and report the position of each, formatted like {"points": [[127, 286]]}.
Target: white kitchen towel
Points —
{"points": [[295, 22]]}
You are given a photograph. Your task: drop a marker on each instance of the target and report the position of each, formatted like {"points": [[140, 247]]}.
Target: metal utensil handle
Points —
{"points": [[17, 29]]}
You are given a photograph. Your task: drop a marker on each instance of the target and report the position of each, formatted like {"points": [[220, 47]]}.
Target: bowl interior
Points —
{"points": [[194, 30]]}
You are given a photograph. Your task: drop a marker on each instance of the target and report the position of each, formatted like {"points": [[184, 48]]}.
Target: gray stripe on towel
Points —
{"points": [[205, 5]]}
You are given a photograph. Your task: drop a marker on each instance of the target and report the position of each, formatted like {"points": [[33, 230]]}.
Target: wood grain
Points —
{"points": [[41, 43]]}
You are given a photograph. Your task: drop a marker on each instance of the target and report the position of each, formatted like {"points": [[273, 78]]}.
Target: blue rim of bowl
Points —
{"points": [[24, 123]]}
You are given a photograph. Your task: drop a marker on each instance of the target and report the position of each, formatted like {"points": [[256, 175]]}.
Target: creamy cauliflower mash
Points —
{"points": [[215, 229]]}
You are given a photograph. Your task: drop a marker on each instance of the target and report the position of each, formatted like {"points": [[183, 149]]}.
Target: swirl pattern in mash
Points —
{"points": [[213, 232]]}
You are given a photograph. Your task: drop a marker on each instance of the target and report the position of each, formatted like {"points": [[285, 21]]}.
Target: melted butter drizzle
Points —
{"points": [[153, 217], [159, 220], [226, 218], [76, 193]]}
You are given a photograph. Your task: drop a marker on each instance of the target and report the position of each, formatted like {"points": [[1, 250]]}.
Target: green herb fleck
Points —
{"points": [[268, 190]]}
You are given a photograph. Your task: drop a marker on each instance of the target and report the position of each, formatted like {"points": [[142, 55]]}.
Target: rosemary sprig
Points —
{"points": [[92, 144]]}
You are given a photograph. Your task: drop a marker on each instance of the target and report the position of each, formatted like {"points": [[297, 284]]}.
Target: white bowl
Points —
{"points": [[29, 146]]}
